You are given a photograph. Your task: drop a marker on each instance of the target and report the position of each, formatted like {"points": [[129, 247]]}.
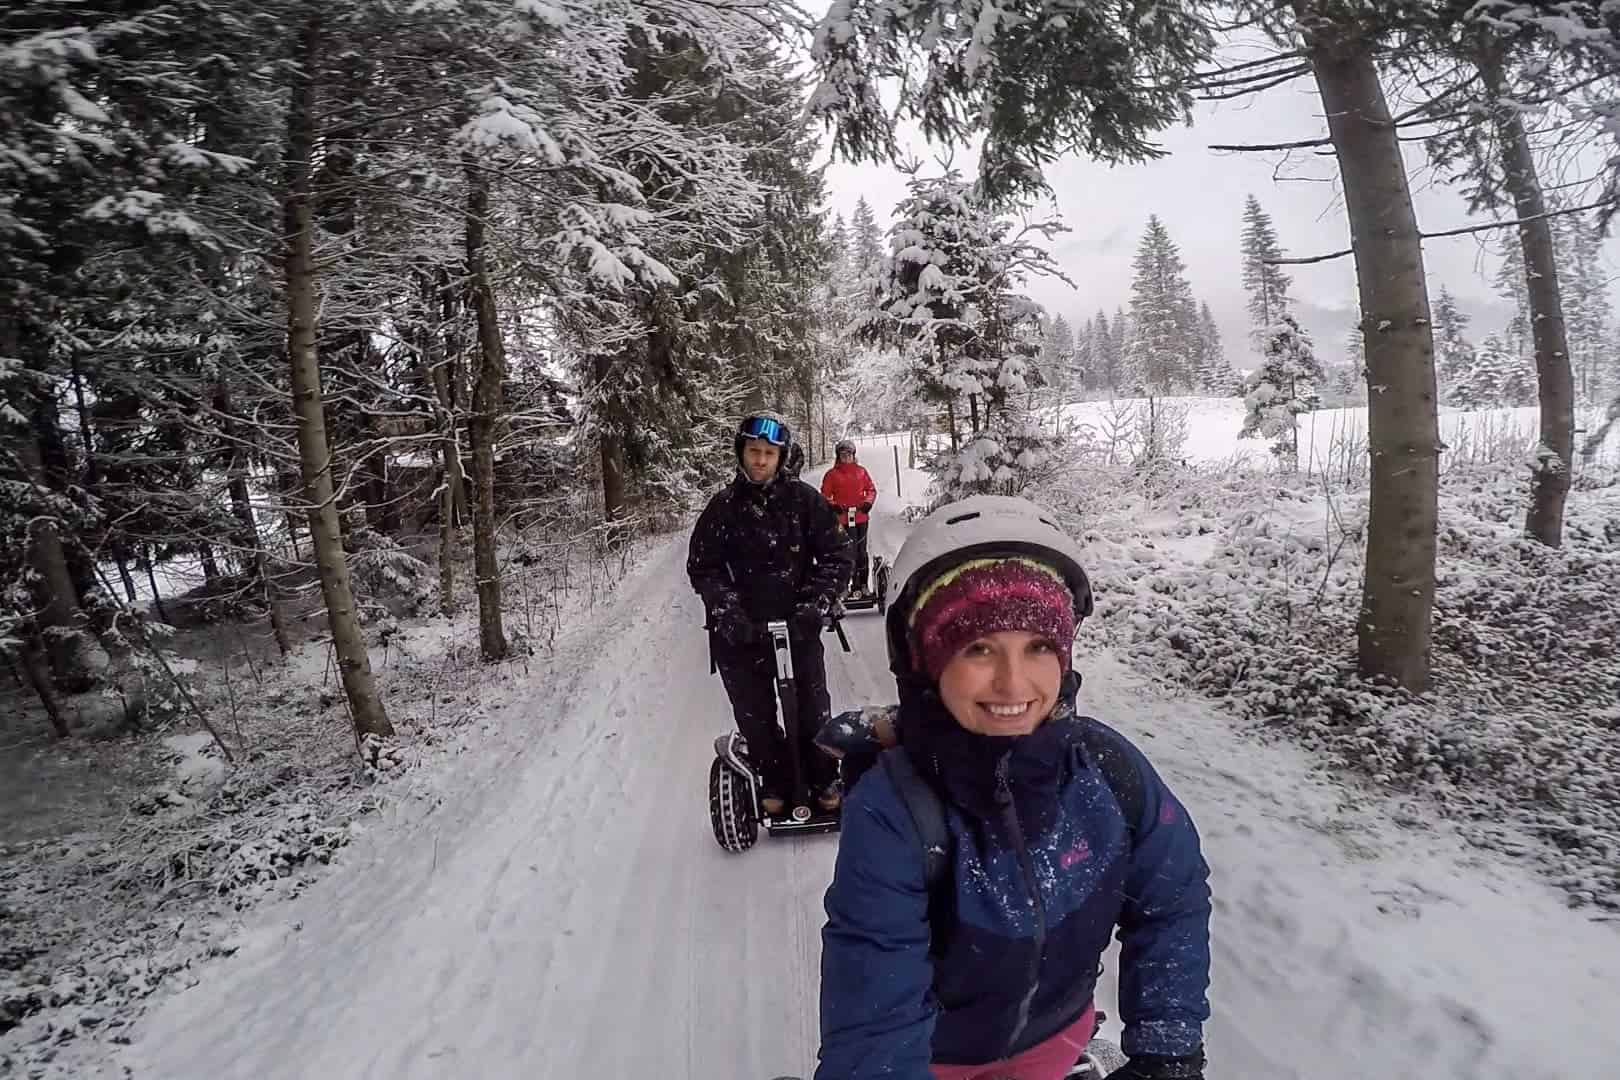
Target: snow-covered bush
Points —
{"points": [[1517, 734], [386, 574]]}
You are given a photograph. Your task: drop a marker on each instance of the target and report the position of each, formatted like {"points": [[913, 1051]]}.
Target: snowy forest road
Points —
{"points": [[559, 909]]}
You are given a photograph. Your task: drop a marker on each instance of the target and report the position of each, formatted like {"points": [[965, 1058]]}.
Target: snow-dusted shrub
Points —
{"points": [[385, 573], [1519, 730]]}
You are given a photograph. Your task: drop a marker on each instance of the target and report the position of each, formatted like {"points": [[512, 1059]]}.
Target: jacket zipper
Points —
{"points": [[1026, 867]]}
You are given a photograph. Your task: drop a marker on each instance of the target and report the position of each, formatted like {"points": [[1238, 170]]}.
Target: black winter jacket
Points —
{"points": [[768, 548]]}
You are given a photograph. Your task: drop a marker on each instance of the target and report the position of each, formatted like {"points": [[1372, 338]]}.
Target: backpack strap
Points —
{"points": [[1124, 779], [927, 814]]}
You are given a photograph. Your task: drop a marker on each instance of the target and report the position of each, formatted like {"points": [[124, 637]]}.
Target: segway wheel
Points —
{"points": [[882, 581], [730, 809]]}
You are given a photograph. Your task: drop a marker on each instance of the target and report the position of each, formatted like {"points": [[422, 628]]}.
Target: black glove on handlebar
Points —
{"points": [[866, 508], [812, 612], [1160, 1067]]}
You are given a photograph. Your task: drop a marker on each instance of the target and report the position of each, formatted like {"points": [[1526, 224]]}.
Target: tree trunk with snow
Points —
{"points": [[1402, 426], [38, 672], [1550, 472], [56, 600], [315, 457], [485, 418], [250, 548]]}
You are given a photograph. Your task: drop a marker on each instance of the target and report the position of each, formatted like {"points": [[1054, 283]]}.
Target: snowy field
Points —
{"points": [[1334, 440], [539, 893]]}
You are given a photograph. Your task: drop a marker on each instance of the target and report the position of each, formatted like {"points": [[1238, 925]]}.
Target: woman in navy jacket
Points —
{"points": [[1057, 832]]}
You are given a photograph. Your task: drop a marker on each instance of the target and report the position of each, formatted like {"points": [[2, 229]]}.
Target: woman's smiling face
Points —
{"points": [[1005, 683]]}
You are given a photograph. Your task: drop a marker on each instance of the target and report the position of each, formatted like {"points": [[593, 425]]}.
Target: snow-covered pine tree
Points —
{"points": [[1266, 283], [1106, 372], [866, 241], [947, 297], [1454, 353], [1121, 332], [1082, 368], [1056, 364], [1588, 310], [1284, 387], [1216, 374], [1165, 333]]}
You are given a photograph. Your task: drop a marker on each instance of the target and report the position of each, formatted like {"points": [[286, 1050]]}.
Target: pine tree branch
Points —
{"points": [[1286, 77], [1453, 232], [1302, 144], [1520, 221], [1309, 258]]}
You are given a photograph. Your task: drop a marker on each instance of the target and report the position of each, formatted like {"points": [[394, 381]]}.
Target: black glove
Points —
{"points": [[1158, 1067], [866, 508], [734, 626], [812, 612]]}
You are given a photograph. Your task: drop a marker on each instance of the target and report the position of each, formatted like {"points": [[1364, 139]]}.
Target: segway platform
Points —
{"points": [[878, 597], [734, 796], [735, 792]]}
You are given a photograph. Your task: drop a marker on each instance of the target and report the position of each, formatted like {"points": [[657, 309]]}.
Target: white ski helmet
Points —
{"points": [[978, 527]]}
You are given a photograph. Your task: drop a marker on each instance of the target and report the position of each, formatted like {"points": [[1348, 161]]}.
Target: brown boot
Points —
{"points": [[772, 805], [830, 799]]}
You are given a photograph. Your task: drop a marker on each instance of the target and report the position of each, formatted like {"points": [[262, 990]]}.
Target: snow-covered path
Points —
{"points": [[555, 907]]}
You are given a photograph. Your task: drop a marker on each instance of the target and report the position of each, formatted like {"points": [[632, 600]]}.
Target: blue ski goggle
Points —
{"points": [[763, 427]]}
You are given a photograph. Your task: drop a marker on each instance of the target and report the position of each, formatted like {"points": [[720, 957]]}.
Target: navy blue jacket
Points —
{"points": [[889, 1008]]}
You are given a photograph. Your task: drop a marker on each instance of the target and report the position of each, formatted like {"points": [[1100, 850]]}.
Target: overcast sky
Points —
{"points": [[1198, 193]]}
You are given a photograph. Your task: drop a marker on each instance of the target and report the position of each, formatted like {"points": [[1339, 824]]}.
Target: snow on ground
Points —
{"points": [[1330, 440], [558, 906], [549, 901]]}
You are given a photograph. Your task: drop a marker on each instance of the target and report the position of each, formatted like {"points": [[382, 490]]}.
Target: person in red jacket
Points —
{"points": [[849, 487]]}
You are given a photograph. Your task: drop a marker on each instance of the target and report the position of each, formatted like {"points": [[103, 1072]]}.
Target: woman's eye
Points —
{"points": [[978, 648], [1042, 647]]}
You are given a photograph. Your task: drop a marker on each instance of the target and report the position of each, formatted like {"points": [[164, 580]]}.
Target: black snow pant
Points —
{"points": [[857, 539], [749, 674]]}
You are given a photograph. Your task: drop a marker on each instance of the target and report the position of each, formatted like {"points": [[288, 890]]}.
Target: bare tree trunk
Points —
{"points": [[205, 553], [122, 562], [1402, 429], [1550, 473], [354, 664], [484, 419], [150, 566], [449, 444], [250, 548], [38, 672], [454, 379], [437, 382], [54, 594]]}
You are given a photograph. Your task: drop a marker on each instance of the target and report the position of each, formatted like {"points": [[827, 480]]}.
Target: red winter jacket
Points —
{"points": [[847, 484]]}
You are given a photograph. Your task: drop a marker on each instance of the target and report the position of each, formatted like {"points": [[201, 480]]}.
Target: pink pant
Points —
{"points": [[1048, 1060]]}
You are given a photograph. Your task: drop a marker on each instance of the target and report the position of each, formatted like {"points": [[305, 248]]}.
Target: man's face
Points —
{"points": [[760, 459]]}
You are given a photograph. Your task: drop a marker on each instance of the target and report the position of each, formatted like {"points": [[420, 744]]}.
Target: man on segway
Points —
{"points": [[768, 547], [849, 489]]}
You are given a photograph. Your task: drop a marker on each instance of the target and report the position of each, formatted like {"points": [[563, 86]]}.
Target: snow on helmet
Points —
{"points": [[842, 445], [980, 526]]}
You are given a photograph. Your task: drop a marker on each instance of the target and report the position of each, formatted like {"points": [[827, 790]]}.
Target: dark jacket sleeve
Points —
{"points": [[706, 558], [876, 1020], [1164, 927], [835, 559]]}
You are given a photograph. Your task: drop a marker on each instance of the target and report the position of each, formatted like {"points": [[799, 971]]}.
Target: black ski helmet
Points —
{"points": [[763, 425]]}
